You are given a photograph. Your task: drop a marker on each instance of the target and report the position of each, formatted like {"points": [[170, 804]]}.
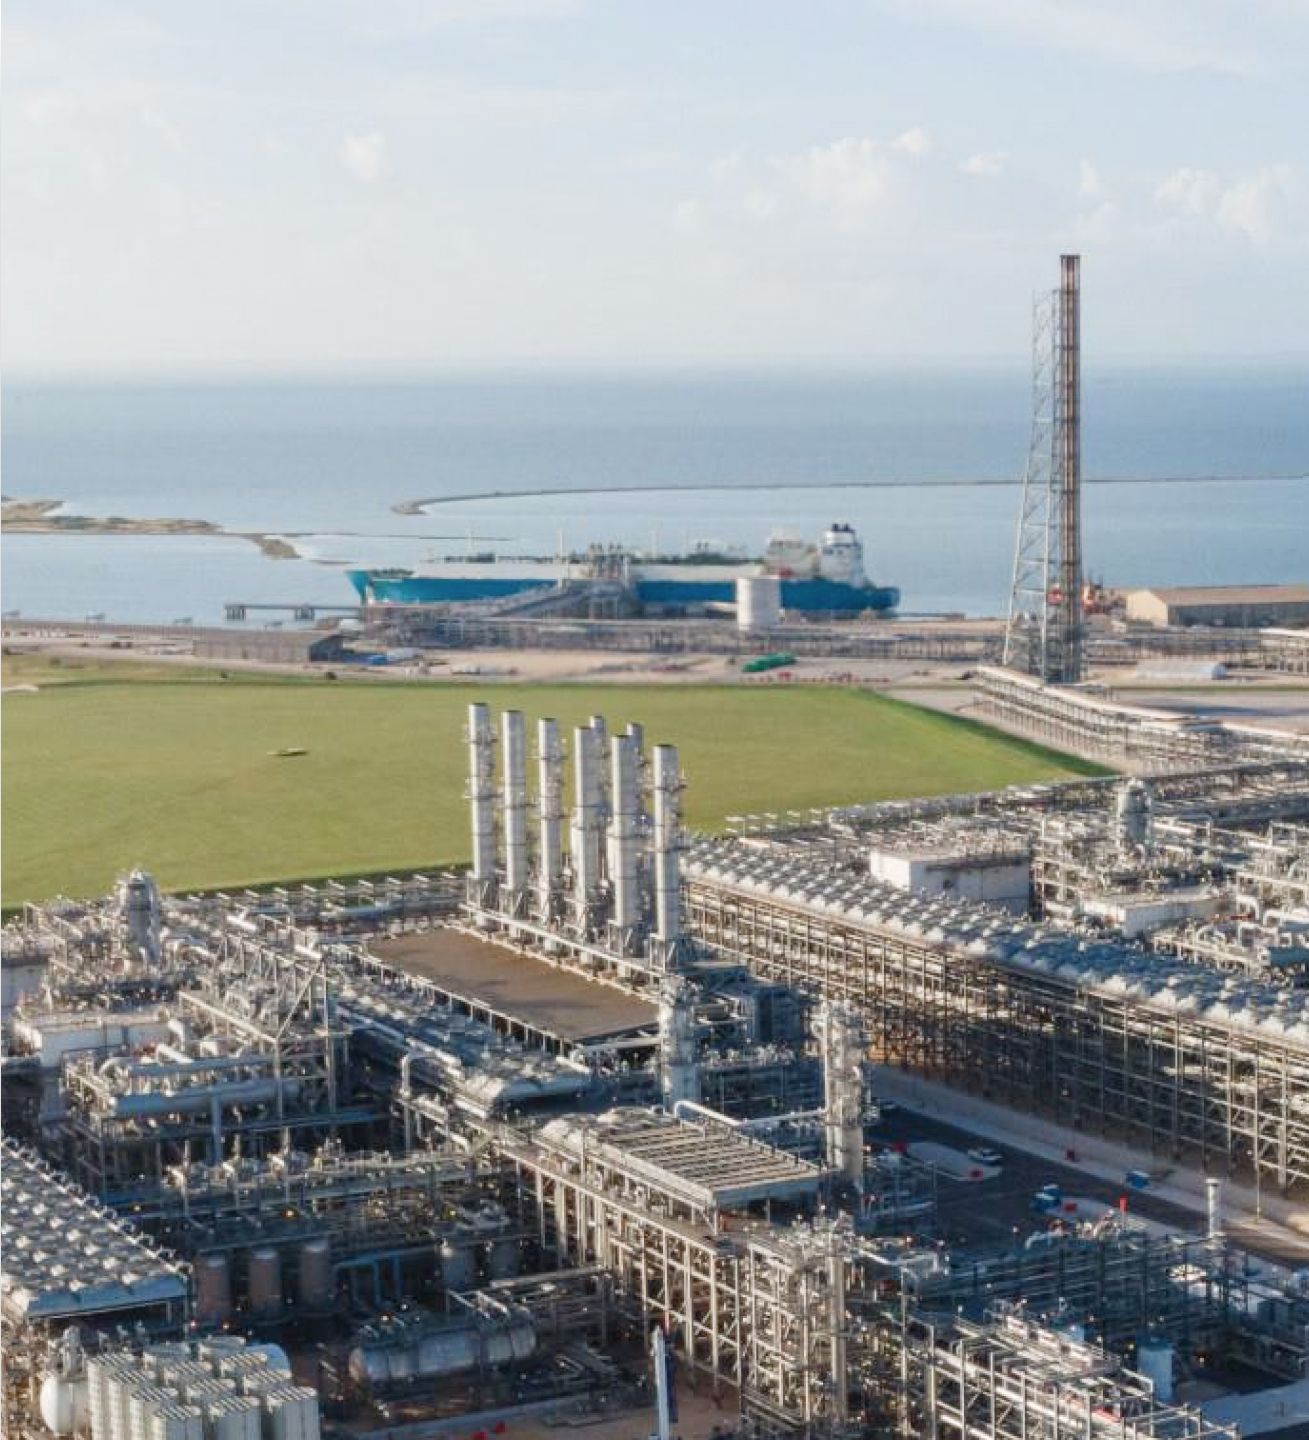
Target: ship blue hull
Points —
{"points": [[813, 596]]}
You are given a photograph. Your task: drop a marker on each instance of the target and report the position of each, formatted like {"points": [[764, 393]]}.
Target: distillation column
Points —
{"points": [[624, 843], [587, 828], [679, 1074], [481, 795], [668, 940], [550, 780], [841, 1039], [139, 899], [513, 899]]}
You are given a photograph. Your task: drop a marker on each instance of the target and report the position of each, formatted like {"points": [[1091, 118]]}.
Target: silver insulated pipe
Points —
{"points": [[624, 836], [550, 780], [587, 827], [667, 848], [513, 730], [481, 791]]}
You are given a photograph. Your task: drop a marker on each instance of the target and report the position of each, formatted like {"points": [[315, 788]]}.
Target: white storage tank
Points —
{"points": [[264, 1283], [213, 1289], [450, 1350], [315, 1290], [66, 1403], [758, 603]]}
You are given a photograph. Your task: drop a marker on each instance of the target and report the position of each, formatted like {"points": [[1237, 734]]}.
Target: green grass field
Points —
{"points": [[111, 767]]}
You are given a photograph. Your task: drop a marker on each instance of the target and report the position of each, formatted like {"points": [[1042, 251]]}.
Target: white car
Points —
{"points": [[985, 1156]]}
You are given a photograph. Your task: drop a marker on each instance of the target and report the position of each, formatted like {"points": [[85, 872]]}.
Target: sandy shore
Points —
{"points": [[42, 517]]}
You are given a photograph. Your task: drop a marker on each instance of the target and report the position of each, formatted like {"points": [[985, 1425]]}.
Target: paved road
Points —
{"points": [[1000, 1209]]}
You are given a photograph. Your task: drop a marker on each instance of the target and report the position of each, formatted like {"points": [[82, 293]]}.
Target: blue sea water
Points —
{"points": [[327, 461]]}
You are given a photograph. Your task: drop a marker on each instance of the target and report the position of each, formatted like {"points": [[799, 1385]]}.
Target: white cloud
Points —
{"points": [[1169, 36], [1090, 183], [986, 163], [364, 157], [1191, 192], [1268, 206], [913, 142]]}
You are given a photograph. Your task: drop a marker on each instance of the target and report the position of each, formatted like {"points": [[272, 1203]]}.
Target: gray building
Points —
{"points": [[1237, 606]]}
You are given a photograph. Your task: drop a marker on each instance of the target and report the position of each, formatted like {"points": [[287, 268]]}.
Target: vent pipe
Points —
{"points": [[1214, 1194]]}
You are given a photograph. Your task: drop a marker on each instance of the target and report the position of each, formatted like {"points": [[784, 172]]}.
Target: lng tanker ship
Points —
{"points": [[827, 578]]}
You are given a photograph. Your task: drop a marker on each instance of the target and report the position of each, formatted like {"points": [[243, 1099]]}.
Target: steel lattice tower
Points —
{"points": [[1044, 633]]}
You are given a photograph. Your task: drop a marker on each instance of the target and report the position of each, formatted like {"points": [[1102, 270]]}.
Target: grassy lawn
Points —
{"points": [[111, 766]]}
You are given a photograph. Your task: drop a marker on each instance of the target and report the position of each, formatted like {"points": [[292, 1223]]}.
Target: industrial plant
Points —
{"points": [[409, 1152], [968, 1116]]}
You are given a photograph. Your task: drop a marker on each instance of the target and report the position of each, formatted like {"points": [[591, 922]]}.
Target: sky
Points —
{"points": [[258, 187]]}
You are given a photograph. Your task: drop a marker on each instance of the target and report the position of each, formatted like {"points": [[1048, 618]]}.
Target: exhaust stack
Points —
{"points": [[624, 839], [514, 744], [667, 855], [587, 827], [550, 780], [481, 796]]}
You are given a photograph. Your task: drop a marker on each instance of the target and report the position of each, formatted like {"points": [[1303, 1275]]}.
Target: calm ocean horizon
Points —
{"points": [[326, 461]]}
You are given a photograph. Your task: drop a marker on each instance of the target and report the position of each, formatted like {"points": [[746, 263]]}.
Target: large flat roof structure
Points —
{"points": [[65, 1256], [701, 1167], [515, 991]]}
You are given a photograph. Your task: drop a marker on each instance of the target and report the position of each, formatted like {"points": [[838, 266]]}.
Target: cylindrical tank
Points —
{"points": [[213, 1289], [315, 1290], [264, 1282], [447, 1351], [66, 1404], [278, 1360], [219, 1347], [458, 1263], [504, 1257], [758, 602], [1154, 1360]]}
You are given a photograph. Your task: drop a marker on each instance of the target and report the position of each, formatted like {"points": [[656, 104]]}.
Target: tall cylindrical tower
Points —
{"points": [[481, 796], [514, 746], [550, 780], [624, 839], [679, 1072], [667, 783], [587, 829]]}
